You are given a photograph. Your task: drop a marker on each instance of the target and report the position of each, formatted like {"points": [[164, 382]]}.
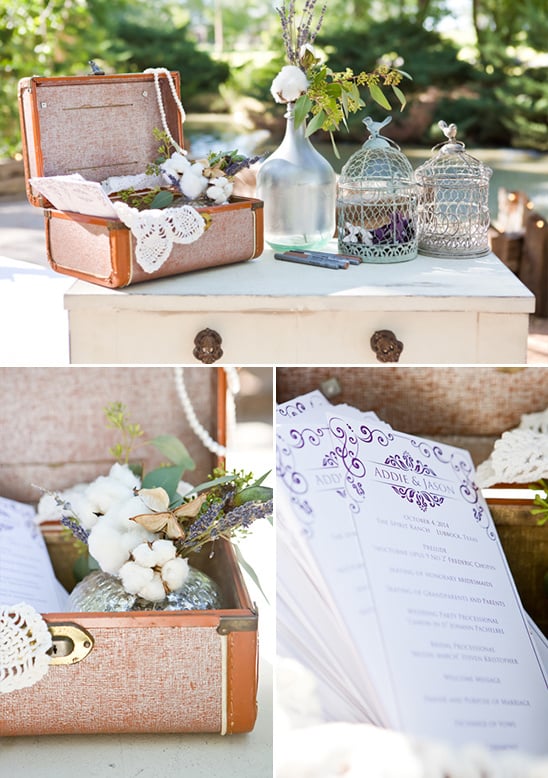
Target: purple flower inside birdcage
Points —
{"points": [[398, 230]]}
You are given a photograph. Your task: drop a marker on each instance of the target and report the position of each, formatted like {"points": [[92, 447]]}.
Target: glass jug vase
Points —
{"points": [[298, 188]]}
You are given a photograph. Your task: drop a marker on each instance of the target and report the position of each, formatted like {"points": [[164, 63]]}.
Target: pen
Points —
{"points": [[317, 257], [352, 260], [307, 259]]}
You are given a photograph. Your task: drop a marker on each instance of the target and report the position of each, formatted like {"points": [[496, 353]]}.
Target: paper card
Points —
{"points": [[26, 574], [324, 501], [307, 617], [288, 411], [451, 623], [540, 641], [75, 194]]}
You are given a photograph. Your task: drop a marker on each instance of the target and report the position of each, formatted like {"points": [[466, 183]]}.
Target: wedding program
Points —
{"points": [[393, 587], [26, 573]]}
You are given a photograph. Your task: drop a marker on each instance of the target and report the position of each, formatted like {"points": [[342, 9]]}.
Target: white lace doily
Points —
{"points": [[519, 456], [157, 230], [24, 640], [535, 421]]}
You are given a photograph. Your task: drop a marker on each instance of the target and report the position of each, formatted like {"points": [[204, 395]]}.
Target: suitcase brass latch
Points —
{"points": [[228, 624], [71, 644]]}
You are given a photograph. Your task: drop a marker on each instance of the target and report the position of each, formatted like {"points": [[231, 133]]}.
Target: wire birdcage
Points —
{"points": [[453, 215], [377, 202]]}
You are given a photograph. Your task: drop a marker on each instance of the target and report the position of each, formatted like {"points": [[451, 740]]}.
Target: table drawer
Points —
{"points": [[125, 336]]}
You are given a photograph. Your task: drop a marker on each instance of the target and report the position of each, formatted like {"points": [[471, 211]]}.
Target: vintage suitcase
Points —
{"points": [[178, 671], [468, 407], [102, 126]]}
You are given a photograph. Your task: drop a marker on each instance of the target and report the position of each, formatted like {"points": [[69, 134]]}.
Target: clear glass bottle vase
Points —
{"points": [[298, 187]]}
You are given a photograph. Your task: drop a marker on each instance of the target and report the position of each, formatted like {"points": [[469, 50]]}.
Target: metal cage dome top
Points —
{"points": [[452, 163], [379, 162], [453, 213]]}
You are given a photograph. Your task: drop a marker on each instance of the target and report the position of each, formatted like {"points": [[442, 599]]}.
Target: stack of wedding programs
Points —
{"points": [[26, 572], [393, 587]]}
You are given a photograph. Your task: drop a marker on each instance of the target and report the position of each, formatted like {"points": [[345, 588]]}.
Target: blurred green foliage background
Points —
{"points": [[478, 63]]}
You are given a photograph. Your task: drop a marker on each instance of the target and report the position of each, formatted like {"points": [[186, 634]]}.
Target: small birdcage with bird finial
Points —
{"points": [[377, 201], [453, 217]]}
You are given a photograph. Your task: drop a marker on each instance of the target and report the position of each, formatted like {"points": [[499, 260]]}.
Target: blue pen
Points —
{"points": [[304, 259], [341, 257]]}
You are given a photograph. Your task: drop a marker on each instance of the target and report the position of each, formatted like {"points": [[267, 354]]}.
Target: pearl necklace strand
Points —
{"points": [[156, 73], [233, 387]]}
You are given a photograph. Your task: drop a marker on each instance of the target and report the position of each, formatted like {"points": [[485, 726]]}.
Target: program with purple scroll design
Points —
{"points": [[445, 643]]}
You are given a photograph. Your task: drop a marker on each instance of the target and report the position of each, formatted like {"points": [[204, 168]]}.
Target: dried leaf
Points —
{"points": [[160, 522], [190, 510], [156, 499]]}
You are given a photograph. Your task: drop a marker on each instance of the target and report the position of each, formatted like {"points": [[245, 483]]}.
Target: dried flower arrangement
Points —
{"points": [[183, 181], [313, 86], [143, 528]]}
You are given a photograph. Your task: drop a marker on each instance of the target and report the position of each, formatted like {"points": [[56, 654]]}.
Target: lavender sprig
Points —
{"points": [[240, 164], [79, 532], [215, 523], [295, 36]]}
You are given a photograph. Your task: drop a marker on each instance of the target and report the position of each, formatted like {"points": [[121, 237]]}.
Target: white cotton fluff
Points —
{"points": [[135, 535], [134, 576], [86, 511], [153, 554], [124, 475], [193, 183], [106, 545], [144, 555], [289, 84], [220, 191], [174, 573], [175, 166], [108, 490], [179, 162], [153, 590], [113, 538], [120, 514], [164, 550], [48, 508]]}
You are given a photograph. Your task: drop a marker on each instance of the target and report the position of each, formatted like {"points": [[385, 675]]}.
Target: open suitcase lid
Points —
{"points": [[95, 125]]}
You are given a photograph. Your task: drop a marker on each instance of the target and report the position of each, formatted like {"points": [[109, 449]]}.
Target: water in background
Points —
{"points": [[513, 169]]}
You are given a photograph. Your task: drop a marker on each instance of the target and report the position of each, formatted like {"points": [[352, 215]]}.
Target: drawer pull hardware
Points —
{"points": [[70, 644], [207, 346], [386, 346]]}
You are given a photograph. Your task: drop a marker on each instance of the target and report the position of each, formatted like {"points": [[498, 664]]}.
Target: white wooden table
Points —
{"points": [[460, 311]]}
